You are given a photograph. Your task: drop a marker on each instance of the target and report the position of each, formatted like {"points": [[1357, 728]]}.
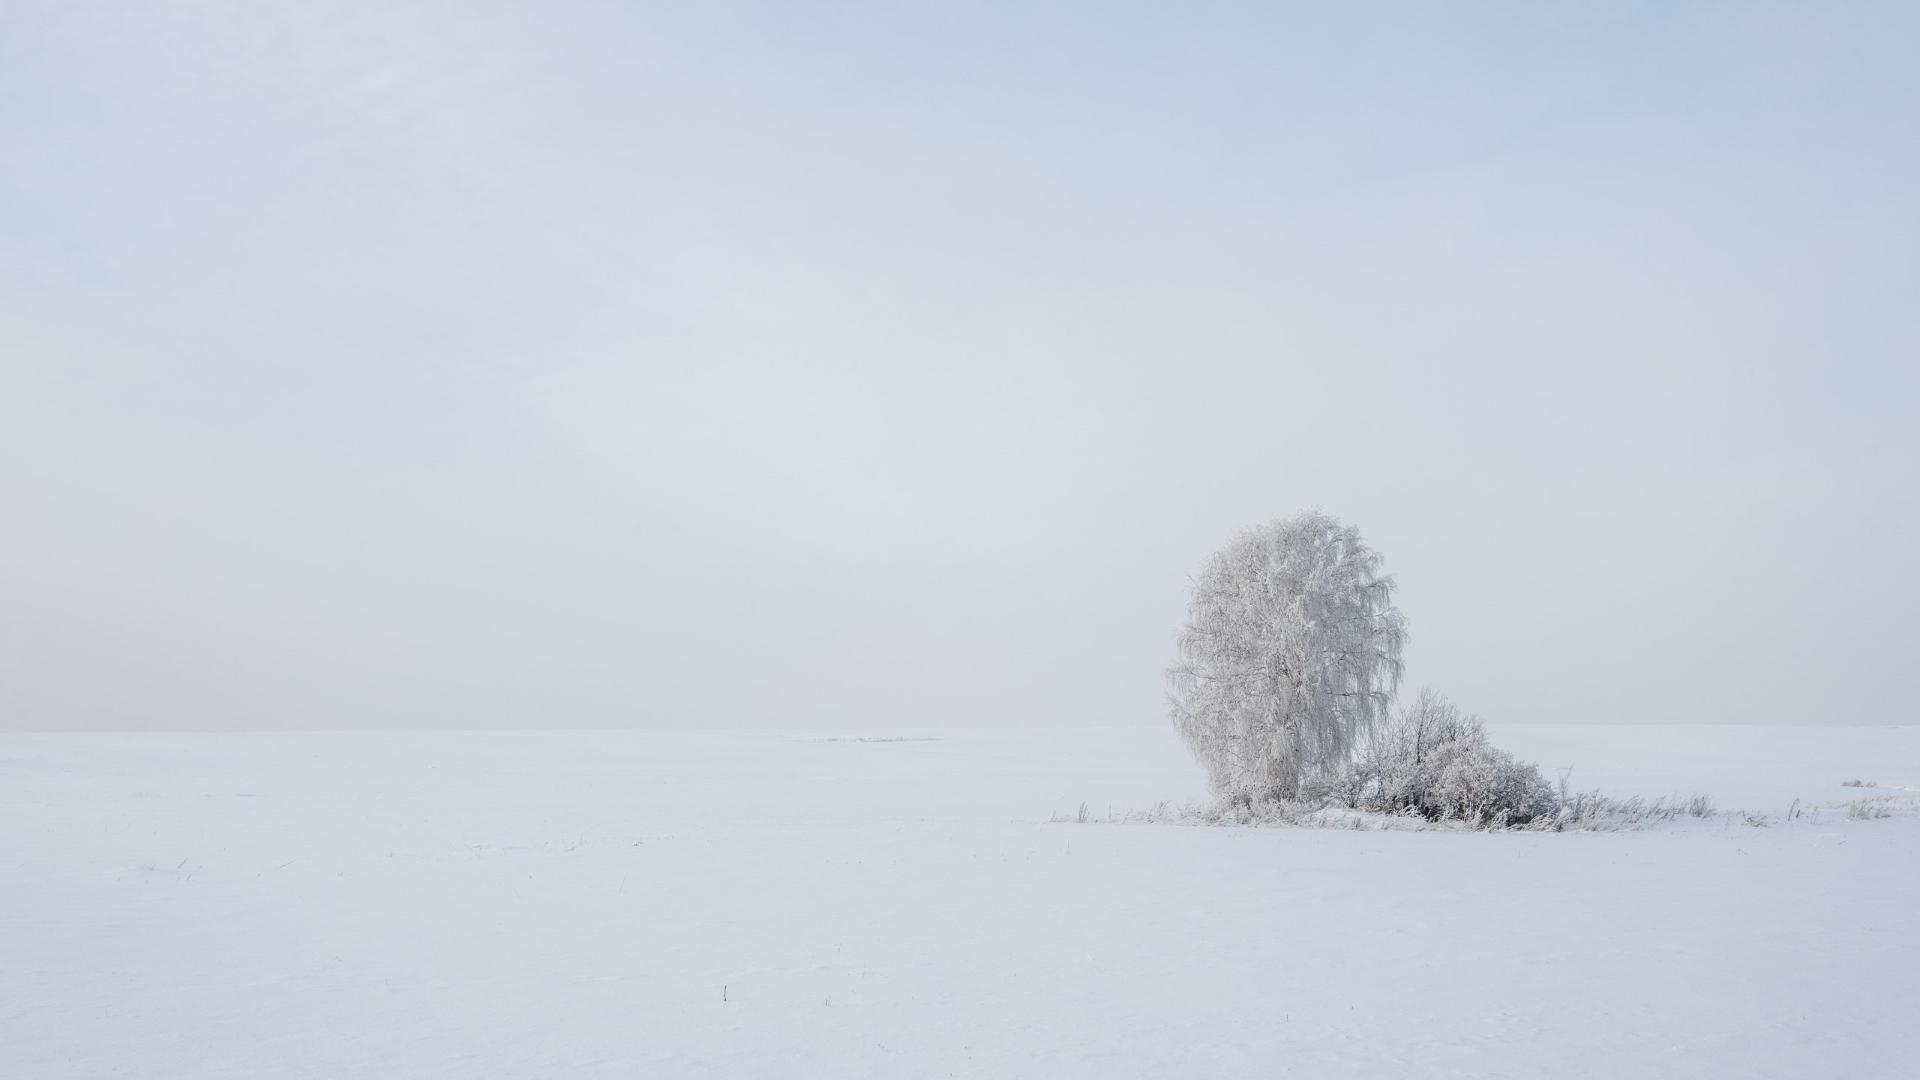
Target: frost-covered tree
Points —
{"points": [[1290, 653]]}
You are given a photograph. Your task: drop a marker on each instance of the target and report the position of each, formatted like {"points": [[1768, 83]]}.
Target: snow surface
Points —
{"points": [[739, 904]]}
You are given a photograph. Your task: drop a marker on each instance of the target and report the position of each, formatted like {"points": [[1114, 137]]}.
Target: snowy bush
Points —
{"points": [[1291, 654], [1479, 782], [1430, 759]]}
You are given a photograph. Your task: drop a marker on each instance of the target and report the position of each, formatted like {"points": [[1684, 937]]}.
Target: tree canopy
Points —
{"points": [[1291, 652]]}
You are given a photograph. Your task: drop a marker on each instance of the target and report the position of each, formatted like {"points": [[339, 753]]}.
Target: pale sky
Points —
{"points": [[561, 365]]}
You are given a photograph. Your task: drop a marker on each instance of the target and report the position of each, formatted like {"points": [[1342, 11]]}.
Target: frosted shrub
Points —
{"points": [[1478, 782], [1432, 760], [1397, 767], [1290, 655]]}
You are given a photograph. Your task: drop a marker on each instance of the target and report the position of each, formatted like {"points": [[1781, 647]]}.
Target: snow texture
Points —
{"points": [[657, 904]]}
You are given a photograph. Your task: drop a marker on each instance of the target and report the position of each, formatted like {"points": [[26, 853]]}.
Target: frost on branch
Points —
{"points": [[1291, 653]]}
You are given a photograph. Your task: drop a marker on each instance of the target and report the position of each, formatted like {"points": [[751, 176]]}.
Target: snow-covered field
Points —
{"points": [[755, 904]]}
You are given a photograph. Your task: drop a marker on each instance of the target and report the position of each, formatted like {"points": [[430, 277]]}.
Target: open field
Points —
{"points": [[744, 904]]}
